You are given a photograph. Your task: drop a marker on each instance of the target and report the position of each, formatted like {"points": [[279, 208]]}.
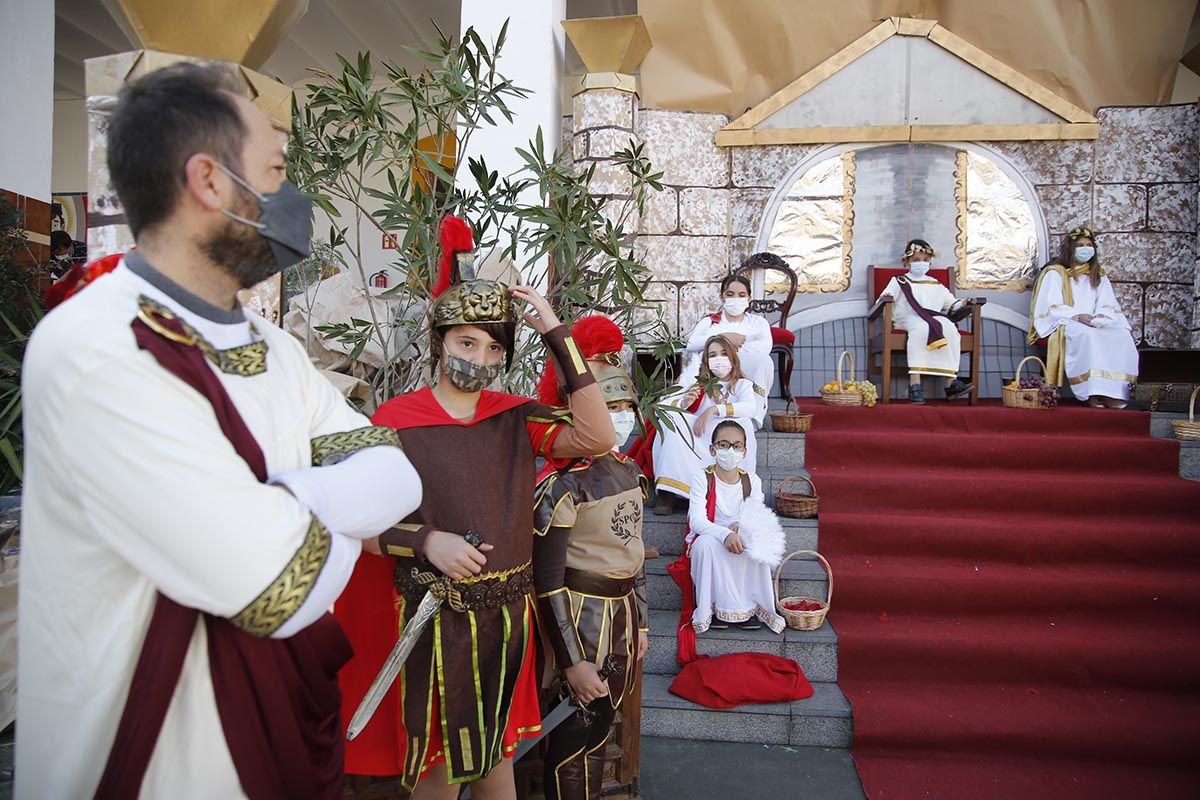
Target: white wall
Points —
{"points": [[26, 92], [68, 171]]}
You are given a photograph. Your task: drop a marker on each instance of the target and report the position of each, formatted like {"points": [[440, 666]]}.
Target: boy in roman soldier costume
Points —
{"points": [[589, 571], [468, 691]]}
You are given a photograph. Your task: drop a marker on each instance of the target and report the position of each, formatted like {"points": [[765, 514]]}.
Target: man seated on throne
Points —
{"points": [[924, 309]]}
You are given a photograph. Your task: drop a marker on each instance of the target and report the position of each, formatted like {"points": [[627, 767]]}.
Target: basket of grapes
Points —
{"points": [[1032, 391], [843, 392]]}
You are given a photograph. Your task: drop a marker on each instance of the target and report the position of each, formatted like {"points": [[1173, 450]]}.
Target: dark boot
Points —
{"points": [[958, 388], [916, 395], [664, 504], [751, 624]]}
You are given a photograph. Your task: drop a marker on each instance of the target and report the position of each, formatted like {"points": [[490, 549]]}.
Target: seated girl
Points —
{"points": [[922, 305], [720, 391], [731, 588], [750, 335], [1088, 341]]}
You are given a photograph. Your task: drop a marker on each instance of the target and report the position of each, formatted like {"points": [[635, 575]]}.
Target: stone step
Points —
{"points": [[800, 577], [780, 450], [815, 651], [666, 533], [822, 720]]}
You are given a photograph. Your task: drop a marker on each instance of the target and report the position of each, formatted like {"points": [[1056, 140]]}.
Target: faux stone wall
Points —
{"points": [[1136, 185]]}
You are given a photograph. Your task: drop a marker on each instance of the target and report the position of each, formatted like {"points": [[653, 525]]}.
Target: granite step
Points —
{"points": [[666, 533], [822, 720], [800, 577], [815, 651]]}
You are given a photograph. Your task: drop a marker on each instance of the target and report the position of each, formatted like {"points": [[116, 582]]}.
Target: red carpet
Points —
{"points": [[1018, 600]]}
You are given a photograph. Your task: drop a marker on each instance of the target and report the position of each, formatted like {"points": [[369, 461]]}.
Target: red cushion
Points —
{"points": [[782, 336], [881, 275]]}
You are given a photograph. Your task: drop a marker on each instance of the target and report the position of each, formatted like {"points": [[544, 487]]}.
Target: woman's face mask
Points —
{"points": [[918, 269], [1084, 254], [721, 366], [735, 306]]}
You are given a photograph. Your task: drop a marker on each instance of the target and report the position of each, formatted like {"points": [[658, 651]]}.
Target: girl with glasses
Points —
{"points": [[731, 588]]}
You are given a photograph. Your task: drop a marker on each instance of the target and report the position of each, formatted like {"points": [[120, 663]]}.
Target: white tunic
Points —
{"points": [[678, 454], [730, 587], [1099, 360], [931, 294], [131, 488], [754, 355]]}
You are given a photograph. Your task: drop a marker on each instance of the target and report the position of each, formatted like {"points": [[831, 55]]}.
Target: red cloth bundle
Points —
{"points": [[740, 678]]}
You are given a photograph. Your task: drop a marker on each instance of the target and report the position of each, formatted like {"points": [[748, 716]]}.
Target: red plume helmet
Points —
{"points": [[455, 237], [595, 335]]}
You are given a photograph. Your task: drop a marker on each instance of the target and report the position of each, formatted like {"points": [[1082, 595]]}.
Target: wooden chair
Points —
{"points": [[782, 339], [886, 340]]}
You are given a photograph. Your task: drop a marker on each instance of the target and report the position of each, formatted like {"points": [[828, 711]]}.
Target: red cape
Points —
{"points": [[367, 608], [736, 679]]}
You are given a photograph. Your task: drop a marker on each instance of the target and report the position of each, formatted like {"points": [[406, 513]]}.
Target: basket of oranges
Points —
{"points": [[848, 392]]}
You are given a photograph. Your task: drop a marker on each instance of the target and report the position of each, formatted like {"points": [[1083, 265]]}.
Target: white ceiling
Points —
{"points": [[85, 29]]}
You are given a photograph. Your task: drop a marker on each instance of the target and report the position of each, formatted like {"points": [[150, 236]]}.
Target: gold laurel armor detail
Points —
{"points": [[334, 447], [246, 360], [279, 601], [472, 302]]}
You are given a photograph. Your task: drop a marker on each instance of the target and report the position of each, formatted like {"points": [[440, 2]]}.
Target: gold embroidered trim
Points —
{"points": [[556, 416], [246, 360], [674, 484], [333, 447], [1102, 373], [758, 389], [399, 550], [279, 601]]}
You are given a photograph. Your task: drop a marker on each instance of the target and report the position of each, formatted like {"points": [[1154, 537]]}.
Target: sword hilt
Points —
{"points": [[473, 538]]}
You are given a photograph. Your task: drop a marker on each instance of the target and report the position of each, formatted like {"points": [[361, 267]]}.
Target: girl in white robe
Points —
{"points": [[749, 333], [731, 588], [678, 454], [1089, 341], [927, 355]]}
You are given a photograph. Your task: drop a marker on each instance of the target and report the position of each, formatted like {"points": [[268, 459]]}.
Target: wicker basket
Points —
{"points": [[791, 422], [804, 620], [1188, 430], [839, 396], [793, 504], [1015, 397]]}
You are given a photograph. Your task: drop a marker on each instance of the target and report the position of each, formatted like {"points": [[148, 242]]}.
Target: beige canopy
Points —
{"points": [[729, 55]]}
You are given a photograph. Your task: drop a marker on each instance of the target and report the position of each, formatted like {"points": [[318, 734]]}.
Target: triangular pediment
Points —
{"points": [[910, 80]]}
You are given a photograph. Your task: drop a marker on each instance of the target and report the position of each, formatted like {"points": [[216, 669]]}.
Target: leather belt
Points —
{"points": [[489, 590], [584, 582]]}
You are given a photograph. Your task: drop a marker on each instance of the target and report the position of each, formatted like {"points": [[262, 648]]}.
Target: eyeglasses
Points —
{"points": [[736, 447]]}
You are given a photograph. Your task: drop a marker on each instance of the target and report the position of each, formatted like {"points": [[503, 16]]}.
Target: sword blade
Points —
{"points": [[391, 667], [555, 718]]}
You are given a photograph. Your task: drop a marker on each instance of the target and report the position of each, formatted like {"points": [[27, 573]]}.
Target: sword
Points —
{"points": [[612, 667], [395, 660]]}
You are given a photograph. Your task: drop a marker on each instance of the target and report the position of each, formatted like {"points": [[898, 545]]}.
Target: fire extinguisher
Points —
{"points": [[380, 279]]}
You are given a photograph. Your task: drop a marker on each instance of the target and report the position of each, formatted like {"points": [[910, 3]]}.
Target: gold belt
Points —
{"points": [[486, 590]]}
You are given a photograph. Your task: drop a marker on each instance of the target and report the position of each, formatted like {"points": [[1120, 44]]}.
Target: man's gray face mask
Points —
{"points": [[285, 220]]}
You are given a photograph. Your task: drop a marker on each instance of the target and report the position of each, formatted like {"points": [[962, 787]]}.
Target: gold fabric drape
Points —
{"points": [[729, 55]]}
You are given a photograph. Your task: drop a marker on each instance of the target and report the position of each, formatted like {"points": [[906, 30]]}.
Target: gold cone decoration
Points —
{"points": [[242, 31], [610, 44]]}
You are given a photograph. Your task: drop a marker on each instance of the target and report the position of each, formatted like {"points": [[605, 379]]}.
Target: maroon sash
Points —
{"points": [[278, 699], [937, 337]]}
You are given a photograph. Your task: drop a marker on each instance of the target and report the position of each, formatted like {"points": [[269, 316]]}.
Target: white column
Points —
{"points": [[27, 97], [532, 58]]}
